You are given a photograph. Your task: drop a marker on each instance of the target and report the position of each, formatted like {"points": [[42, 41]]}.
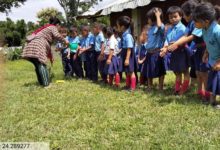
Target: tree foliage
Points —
{"points": [[13, 33], [45, 14], [6, 5], [72, 8]]}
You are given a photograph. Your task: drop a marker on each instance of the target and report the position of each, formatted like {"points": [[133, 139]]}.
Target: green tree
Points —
{"points": [[21, 27], [72, 8], [45, 14], [6, 5]]}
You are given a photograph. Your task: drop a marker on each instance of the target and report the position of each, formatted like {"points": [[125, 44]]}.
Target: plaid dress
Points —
{"points": [[40, 46]]}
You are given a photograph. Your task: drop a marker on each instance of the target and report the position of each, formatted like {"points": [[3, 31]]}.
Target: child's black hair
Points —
{"points": [[151, 14], [73, 29], [54, 21], [126, 22], [175, 9], [189, 6], [217, 9], [85, 27], [108, 31], [98, 25], [203, 12]]}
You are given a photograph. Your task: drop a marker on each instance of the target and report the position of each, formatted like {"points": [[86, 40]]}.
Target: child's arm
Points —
{"points": [[163, 51], [141, 61], [183, 40], [205, 57], [110, 57], [216, 66], [68, 53], [101, 56], [158, 14], [127, 57]]}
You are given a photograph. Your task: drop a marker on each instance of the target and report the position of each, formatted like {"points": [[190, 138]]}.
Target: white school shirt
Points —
{"points": [[111, 44]]}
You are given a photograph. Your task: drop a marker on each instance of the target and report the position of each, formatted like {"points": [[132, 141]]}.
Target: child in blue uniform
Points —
{"points": [[217, 9], [205, 19], [75, 60], [65, 54], [141, 57], [86, 50], [111, 61], [154, 66], [193, 37], [179, 59], [98, 62], [116, 34], [128, 65]]}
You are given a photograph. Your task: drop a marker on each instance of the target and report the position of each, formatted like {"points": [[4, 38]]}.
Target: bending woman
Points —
{"points": [[38, 48]]}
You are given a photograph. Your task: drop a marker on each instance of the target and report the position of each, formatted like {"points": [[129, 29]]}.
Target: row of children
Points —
{"points": [[162, 47]]}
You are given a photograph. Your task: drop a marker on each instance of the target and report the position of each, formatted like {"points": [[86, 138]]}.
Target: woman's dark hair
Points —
{"points": [[174, 9], [203, 12], [189, 6], [54, 21], [217, 9], [151, 14], [126, 22]]}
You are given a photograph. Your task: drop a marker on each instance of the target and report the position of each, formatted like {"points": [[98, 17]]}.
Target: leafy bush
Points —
{"points": [[14, 54]]}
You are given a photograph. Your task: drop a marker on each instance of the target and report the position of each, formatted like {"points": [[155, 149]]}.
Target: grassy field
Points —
{"points": [[79, 114]]}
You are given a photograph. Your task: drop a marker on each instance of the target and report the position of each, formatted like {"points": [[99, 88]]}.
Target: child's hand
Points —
{"points": [[126, 62], [216, 66], [109, 62], [163, 52], [81, 50], [205, 58], [157, 12], [172, 47], [140, 61], [101, 57], [68, 56], [75, 57]]}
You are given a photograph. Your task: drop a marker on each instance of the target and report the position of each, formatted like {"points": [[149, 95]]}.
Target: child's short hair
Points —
{"points": [[189, 6], [97, 25], [85, 28], [217, 9], [108, 31], [203, 12], [151, 14], [174, 9], [73, 29]]}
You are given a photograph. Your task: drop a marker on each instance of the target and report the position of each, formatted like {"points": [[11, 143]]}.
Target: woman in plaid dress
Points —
{"points": [[38, 49]]}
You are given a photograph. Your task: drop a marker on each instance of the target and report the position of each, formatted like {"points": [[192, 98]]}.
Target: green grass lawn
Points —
{"points": [[79, 114]]}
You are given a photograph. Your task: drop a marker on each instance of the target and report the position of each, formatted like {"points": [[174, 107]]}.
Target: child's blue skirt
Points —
{"points": [[180, 60], [214, 82], [153, 66], [112, 68], [199, 65], [167, 61], [132, 67]]}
